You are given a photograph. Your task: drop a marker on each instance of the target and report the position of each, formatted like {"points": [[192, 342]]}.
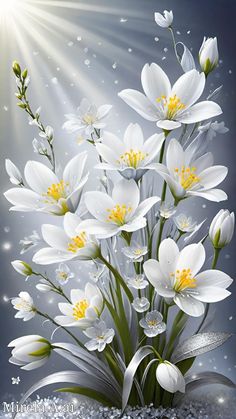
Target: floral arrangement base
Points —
{"points": [[67, 407]]}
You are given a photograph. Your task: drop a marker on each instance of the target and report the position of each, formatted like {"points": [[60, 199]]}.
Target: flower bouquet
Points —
{"points": [[151, 276]]}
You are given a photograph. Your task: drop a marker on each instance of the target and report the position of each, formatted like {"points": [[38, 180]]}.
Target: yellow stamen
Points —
{"points": [[137, 252], [132, 158], [88, 119], [57, 191], [77, 242], [79, 309], [183, 280], [152, 323], [172, 105], [187, 176], [118, 214]]}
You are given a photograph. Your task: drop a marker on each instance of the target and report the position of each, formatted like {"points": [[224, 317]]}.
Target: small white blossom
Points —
{"points": [[167, 210], [208, 54], [48, 134], [24, 304], [13, 173], [137, 282], [211, 129], [164, 20], [184, 223], [135, 252], [152, 324], [39, 146], [15, 380], [30, 241], [141, 304], [98, 274], [100, 336], [63, 273], [87, 119]]}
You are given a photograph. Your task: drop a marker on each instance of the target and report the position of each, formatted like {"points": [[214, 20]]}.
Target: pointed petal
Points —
{"points": [[140, 103], [200, 112], [39, 177]]}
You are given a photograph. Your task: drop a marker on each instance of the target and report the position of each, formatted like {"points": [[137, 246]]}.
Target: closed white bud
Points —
{"points": [[22, 267], [222, 229], [13, 173], [170, 377], [164, 20], [30, 352], [44, 288], [208, 55]]}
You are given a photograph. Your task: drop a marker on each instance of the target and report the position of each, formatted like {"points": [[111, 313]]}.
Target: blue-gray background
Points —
{"points": [[96, 50]]}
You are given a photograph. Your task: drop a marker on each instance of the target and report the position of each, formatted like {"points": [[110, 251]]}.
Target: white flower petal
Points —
{"points": [[145, 206], [22, 197], [133, 137], [200, 112], [55, 236], [74, 169], [212, 176], [168, 256], [191, 257], [98, 203], [215, 195], [213, 277], [189, 305], [211, 294], [140, 103], [126, 192], [48, 255], [167, 124], [70, 224], [189, 87], [39, 177], [155, 83]]}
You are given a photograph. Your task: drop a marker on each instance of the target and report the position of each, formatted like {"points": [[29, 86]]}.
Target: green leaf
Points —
{"points": [[185, 365], [92, 394]]}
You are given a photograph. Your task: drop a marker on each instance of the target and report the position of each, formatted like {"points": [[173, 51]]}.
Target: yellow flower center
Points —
{"points": [[187, 176], [132, 158], [89, 119], [79, 309], [172, 105], [152, 323], [77, 242], [138, 252], [57, 191], [118, 214], [183, 280], [63, 275], [24, 306]]}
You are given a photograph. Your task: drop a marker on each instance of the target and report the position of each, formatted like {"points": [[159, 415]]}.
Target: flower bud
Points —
{"points": [[13, 173], [30, 352], [208, 55], [170, 377], [22, 268], [222, 229], [25, 73], [165, 20], [16, 68], [44, 288]]}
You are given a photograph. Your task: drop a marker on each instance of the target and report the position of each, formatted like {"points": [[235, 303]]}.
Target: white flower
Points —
{"points": [[184, 223], [152, 324], [170, 107], [63, 273], [222, 228], [22, 267], [176, 277], [119, 212], [165, 20], [212, 128], [49, 193], [30, 352], [188, 177], [72, 242], [167, 210], [208, 54], [98, 273], [135, 252], [137, 282], [100, 336], [87, 119], [29, 242], [170, 377], [141, 304], [13, 173], [24, 304], [86, 306], [131, 156]]}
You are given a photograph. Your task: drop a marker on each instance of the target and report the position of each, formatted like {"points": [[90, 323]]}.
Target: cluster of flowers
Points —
{"points": [[165, 267]]}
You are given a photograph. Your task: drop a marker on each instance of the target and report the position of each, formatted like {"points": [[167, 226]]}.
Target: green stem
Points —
{"points": [[55, 288], [46, 316], [174, 45]]}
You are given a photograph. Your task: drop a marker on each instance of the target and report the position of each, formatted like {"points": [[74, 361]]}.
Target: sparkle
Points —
{"points": [[221, 400], [6, 246]]}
